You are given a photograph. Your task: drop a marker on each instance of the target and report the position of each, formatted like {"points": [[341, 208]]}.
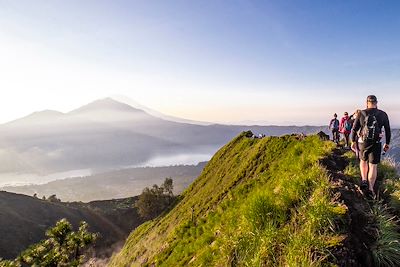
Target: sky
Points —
{"points": [[271, 62]]}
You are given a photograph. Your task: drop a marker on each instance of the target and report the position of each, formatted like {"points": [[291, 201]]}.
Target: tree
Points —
{"points": [[53, 198], [168, 186], [63, 247], [153, 201]]}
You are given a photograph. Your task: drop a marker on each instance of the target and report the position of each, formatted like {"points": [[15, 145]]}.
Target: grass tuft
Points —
{"points": [[386, 251]]}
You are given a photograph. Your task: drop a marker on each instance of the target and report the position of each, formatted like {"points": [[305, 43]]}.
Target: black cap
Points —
{"points": [[372, 99]]}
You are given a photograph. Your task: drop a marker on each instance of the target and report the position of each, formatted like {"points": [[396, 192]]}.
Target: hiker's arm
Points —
{"points": [[354, 130], [388, 132]]}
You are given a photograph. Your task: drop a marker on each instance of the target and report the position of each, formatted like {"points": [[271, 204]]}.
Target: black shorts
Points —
{"points": [[371, 152]]}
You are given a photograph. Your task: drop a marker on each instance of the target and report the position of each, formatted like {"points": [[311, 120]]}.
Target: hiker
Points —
{"points": [[334, 127], [370, 123], [345, 128]]}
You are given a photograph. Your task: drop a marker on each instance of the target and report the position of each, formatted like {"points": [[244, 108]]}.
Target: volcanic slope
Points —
{"points": [[276, 201]]}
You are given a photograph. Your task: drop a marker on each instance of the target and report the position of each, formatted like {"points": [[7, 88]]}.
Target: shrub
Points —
{"points": [[63, 247]]}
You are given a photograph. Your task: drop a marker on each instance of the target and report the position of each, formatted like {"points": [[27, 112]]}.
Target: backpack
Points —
{"points": [[370, 131], [347, 125], [335, 123]]}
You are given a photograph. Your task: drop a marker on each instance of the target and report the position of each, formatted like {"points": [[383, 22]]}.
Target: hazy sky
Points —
{"points": [[226, 61]]}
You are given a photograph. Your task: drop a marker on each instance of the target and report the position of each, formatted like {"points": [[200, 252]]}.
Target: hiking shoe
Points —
{"points": [[364, 186]]}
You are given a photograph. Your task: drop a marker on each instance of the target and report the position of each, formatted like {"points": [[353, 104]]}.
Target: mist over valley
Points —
{"points": [[108, 135]]}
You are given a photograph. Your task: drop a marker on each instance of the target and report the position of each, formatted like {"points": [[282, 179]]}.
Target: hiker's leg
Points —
{"points": [[374, 158], [372, 173], [364, 169], [358, 150]]}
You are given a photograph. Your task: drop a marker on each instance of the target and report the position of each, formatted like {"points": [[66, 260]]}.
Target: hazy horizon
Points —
{"points": [[156, 113], [107, 134]]}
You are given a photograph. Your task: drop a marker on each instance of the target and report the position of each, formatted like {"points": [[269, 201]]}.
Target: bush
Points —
{"points": [[63, 247]]}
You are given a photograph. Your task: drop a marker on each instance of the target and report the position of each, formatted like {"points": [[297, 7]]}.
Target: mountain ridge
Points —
{"points": [[211, 210], [105, 104], [37, 115], [109, 103], [276, 201]]}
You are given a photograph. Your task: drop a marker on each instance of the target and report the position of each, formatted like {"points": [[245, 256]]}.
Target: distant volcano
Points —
{"points": [[107, 134]]}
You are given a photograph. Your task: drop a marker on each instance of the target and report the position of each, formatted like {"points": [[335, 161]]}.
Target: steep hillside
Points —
{"points": [[257, 202], [24, 220], [276, 201]]}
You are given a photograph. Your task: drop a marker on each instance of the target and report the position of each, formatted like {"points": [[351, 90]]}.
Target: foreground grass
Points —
{"points": [[259, 202], [386, 250]]}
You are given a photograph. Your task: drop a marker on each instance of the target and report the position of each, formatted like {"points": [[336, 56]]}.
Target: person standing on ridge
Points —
{"points": [[345, 128], [370, 123], [334, 127]]}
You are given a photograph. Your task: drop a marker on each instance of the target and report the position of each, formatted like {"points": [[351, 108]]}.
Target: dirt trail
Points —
{"points": [[358, 224]]}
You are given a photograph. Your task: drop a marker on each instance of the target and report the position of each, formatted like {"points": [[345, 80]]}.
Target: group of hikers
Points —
{"points": [[362, 133], [343, 127]]}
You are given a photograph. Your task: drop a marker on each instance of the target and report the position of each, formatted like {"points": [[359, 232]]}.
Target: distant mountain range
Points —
{"points": [[107, 135], [394, 152]]}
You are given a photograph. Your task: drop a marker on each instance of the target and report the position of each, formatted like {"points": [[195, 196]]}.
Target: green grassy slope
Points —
{"points": [[257, 202]]}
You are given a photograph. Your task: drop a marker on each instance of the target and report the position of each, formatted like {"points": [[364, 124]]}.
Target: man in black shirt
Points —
{"points": [[368, 127]]}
